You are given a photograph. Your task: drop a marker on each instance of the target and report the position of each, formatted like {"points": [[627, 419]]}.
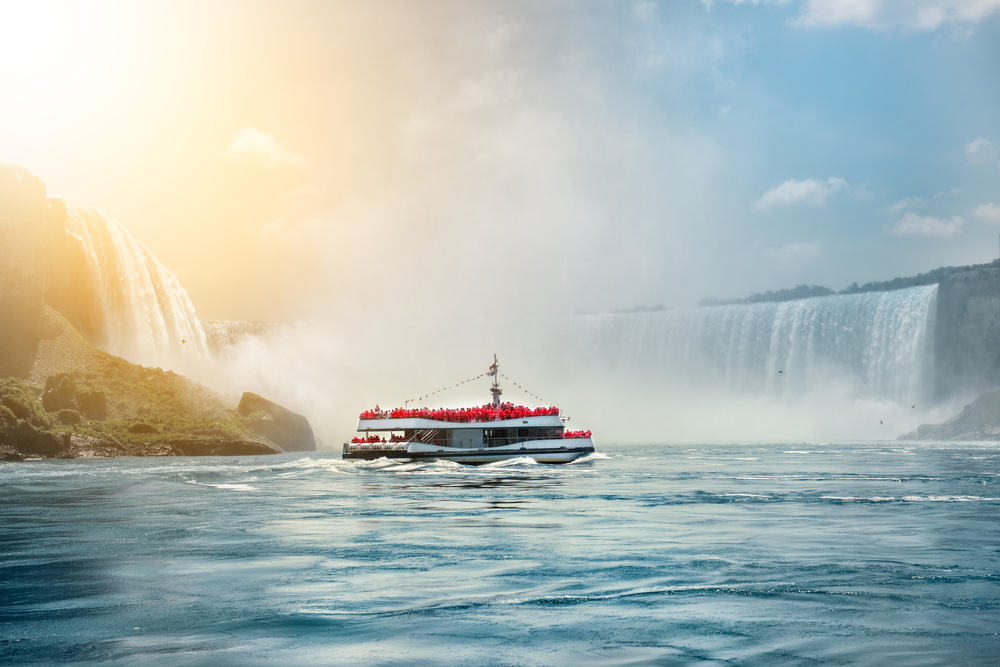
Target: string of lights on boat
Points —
{"points": [[481, 375]]}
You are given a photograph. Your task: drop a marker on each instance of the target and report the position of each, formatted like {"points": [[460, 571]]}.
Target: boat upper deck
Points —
{"points": [[417, 423], [506, 415]]}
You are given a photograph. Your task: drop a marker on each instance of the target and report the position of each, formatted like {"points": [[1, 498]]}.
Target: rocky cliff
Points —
{"points": [[79, 401], [62, 396], [967, 332], [979, 420], [290, 430]]}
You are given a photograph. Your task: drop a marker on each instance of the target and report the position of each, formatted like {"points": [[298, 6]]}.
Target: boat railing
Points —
{"points": [[352, 447], [514, 440]]}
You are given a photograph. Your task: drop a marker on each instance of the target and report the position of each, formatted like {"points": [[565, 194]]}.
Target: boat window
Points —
{"points": [[499, 437]]}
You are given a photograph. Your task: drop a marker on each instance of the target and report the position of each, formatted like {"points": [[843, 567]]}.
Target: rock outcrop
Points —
{"points": [[27, 222], [979, 420], [94, 404], [289, 430], [25, 427]]}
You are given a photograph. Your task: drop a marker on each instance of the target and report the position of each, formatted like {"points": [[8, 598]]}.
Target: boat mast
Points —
{"points": [[495, 372]]}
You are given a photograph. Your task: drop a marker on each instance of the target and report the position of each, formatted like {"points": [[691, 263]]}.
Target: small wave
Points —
{"points": [[796, 451], [749, 588], [234, 487], [596, 456], [519, 461], [444, 463], [948, 499], [305, 466]]}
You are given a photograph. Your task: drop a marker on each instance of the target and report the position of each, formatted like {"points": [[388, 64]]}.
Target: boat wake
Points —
{"points": [[596, 456]]}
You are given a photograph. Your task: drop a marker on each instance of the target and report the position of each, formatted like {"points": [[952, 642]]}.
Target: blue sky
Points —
{"points": [[605, 154], [856, 151]]}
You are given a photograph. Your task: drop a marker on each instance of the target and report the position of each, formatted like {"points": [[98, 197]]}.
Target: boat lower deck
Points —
{"points": [[548, 451]]}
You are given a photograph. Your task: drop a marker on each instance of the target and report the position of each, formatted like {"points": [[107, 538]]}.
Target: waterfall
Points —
{"points": [[880, 342], [144, 315]]}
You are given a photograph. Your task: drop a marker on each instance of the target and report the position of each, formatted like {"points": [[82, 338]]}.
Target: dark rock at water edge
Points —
{"points": [[9, 454], [979, 420], [289, 430]]}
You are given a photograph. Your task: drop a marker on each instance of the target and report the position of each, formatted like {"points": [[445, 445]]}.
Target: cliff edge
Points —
{"points": [[979, 420]]}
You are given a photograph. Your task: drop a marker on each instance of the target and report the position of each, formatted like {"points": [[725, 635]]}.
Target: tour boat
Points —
{"points": [[483, 434]]}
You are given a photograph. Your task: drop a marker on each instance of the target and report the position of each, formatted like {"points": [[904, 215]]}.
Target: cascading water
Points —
{"points": [[144, 314], [881, 342]]}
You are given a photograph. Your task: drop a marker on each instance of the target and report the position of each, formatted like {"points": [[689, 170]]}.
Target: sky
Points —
{"points": [[356, 160]]}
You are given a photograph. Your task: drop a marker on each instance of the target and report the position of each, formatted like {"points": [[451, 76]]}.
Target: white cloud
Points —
{"points": [[251, 145], [906, 202], [796, 253], [918, 225], [981, 150], [809, 191], [987, 212], [917, 15], [914, 202]]}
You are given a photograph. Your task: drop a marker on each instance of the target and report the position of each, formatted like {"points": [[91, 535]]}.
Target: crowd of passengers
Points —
{"points": [[576, 434], [374, 439], [486, 413]]}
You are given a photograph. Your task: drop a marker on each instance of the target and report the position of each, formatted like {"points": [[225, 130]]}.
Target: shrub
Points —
{"points": [[16, 396], [69, 417]]}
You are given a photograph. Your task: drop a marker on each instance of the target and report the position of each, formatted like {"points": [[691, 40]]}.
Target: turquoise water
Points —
{"points": [[863, 553]]}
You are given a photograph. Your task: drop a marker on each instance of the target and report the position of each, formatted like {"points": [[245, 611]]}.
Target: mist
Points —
{"points": [[408, 189]]}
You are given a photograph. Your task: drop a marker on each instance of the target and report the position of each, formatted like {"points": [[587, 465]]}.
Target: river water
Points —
{"points": [[860, 553]]}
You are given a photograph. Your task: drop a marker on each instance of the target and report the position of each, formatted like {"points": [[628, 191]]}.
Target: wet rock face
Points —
{"points": [[61, 393], [979, 420], [9, 454], [93, 404], [68, 417], [29, 223], [289, 430]]}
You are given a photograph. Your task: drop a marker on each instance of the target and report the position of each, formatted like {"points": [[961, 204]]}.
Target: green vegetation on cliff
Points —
{"points": [[937, 276], [81, 401], [63, 396]]}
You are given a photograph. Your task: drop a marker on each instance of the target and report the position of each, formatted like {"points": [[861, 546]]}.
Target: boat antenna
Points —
{"points": [[495, 372]]}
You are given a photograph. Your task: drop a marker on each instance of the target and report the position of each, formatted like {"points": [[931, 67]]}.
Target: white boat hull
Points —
{"points": [[543, 451]]}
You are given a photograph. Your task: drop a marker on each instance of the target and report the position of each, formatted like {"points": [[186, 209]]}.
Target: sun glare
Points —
{"points": [[49, 48]]}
